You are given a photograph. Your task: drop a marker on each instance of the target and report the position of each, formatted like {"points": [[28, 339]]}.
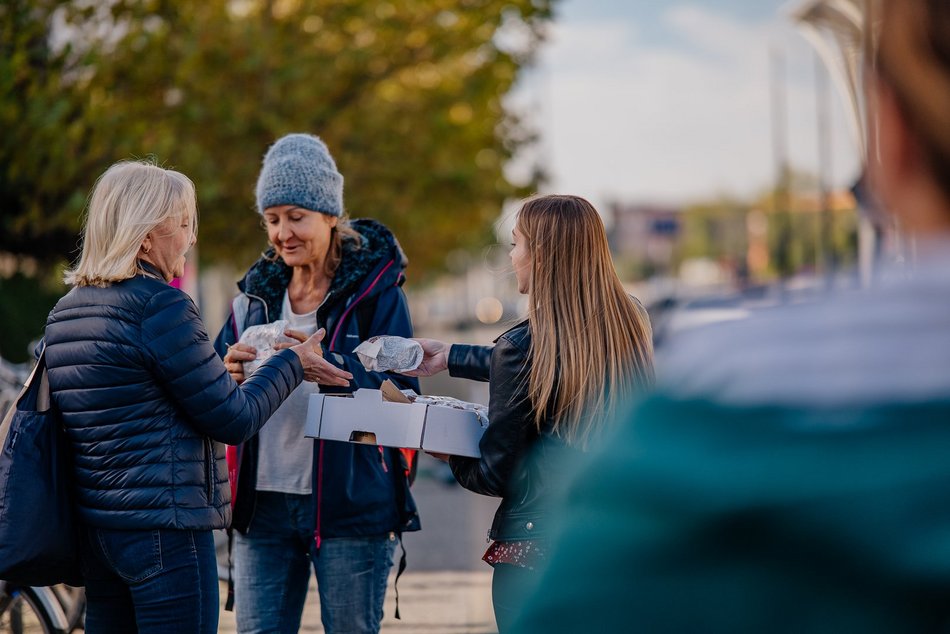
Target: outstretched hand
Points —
{"points": [[315, 367], [435, 358]]}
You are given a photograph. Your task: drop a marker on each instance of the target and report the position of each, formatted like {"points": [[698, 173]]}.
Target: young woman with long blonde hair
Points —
{"points": [[555, 380], [791, 473]]}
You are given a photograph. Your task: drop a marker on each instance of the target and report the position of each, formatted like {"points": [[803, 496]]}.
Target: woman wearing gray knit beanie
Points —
{"points": [[338, 507]]}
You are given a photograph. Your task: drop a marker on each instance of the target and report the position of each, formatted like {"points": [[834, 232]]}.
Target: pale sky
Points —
{"points": [[669, 101]]}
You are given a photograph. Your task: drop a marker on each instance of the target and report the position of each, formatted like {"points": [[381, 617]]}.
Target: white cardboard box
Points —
{"points": [[386, 417]]}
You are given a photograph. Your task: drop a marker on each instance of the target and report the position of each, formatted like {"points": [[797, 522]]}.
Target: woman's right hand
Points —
{"points": [[234, 360], [435, 358], [315, 367]]}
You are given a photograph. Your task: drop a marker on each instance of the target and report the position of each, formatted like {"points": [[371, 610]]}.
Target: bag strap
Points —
{"points": [[42, 397]]}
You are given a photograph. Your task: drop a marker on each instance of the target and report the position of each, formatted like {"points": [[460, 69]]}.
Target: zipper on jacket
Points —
{"points": [[349, 309], [264, 304], [238, 329], [316, 531], [209, 468]]}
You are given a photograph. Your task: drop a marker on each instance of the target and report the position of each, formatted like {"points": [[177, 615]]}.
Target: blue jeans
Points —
{"points": [[272, 571], [150, 581]]}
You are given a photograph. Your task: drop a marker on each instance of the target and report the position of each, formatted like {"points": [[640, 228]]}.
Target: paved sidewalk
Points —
{"points": [[429, 602]]}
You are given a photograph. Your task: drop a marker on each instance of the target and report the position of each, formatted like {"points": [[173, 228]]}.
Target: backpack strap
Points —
{"points": [[410, 464], [401, 569], [229, 603]]}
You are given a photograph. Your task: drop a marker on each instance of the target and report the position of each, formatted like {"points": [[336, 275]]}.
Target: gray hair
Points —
{"points": [[129, 200]]}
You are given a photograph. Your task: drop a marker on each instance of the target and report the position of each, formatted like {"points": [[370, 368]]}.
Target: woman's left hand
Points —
{"points": [[299, 336], [235, 358]]}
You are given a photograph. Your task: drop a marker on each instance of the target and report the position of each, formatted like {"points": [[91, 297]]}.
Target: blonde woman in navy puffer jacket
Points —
{"points": [[146, 403]]}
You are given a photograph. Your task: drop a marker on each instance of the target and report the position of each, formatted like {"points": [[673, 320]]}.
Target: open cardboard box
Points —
{"points": [[387, 417]]}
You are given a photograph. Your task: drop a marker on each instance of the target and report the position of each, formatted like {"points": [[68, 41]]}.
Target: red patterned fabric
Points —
{"points": [[526, 554]]}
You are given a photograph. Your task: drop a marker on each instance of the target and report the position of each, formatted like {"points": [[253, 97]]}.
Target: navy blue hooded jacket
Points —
{"points": [[147, 403], [359, 490]]}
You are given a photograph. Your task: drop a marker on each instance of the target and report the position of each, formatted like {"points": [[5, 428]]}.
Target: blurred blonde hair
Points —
{"points": [[591, 343], [129, 200], [913, 58]]}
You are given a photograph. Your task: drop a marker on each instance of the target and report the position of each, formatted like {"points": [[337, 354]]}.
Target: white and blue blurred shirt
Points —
{"points": [[890, 344]]}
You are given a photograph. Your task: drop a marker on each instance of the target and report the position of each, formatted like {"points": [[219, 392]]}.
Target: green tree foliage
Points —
{"points": [[25, 301], [408, 94]]}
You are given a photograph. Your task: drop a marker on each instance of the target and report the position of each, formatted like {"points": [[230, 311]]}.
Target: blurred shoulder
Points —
{"points": [[850, 348], [705, 361]]}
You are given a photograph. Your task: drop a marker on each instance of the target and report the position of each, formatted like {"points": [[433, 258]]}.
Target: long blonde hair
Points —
{"points": [[129, 200], [591, 342]]}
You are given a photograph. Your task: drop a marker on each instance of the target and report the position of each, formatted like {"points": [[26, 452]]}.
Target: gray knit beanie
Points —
{"points": [[298, 170]]}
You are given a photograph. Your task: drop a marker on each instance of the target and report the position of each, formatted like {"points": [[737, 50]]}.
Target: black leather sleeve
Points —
{"points": [[470, 362], [510, 428]]}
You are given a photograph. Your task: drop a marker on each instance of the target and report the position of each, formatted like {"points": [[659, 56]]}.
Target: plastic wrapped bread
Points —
{"points": [[390, 354], [264, 338], [481, 411]]}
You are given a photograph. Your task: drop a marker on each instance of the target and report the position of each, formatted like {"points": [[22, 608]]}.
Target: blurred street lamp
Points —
{"points": [[840, 32], [836, 29], [489, 310]]}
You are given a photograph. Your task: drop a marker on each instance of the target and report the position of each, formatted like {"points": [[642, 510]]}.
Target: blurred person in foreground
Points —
{"points": [[335, 506], [554, 380], [792, 474], [146, 404]]}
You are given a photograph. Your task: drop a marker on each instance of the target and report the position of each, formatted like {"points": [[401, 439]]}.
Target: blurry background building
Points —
{"points": [[643, 238]]}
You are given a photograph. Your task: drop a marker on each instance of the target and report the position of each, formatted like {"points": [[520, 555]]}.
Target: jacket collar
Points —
{"points": [[519, 331], [150, 270]]}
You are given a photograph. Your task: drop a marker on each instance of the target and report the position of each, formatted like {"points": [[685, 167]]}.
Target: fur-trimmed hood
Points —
{"points": [[269, 276]]}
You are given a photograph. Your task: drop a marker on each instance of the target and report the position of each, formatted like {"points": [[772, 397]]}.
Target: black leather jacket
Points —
{"points": [[517, 462]]}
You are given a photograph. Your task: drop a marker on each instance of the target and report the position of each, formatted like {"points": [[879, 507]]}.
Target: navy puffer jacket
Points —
{"points": [[147, 403]]}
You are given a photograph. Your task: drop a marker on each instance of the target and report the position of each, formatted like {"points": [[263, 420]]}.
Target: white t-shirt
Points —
{"points": [[285, 456]]}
